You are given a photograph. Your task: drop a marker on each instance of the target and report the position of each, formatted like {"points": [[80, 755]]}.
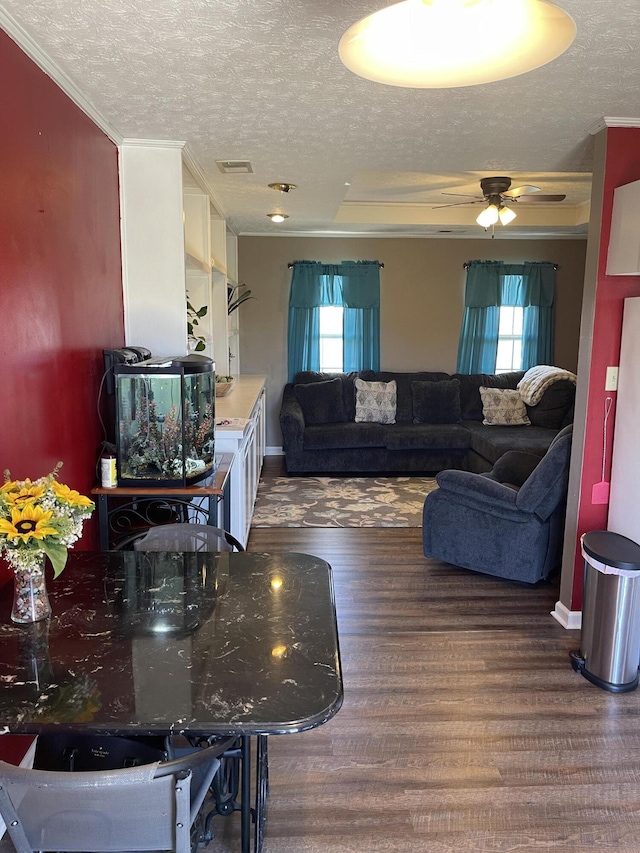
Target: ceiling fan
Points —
{"points": [[497, 195]]}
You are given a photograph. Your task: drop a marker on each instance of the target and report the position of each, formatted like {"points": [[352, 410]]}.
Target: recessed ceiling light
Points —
{"points": [[277, 217], [282, 187]]}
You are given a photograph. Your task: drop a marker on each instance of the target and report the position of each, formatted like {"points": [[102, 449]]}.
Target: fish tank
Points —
{"points": [[165, 420]]}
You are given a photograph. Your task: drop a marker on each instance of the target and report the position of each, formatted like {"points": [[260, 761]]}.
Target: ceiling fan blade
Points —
{"points": [[526, 189], [456, 203], [465, 195], [537, 198]]}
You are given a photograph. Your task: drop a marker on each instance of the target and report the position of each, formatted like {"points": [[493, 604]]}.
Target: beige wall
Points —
{"points": [[422, 290]]}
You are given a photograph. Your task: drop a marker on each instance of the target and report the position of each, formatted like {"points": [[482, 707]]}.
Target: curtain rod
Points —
{"points": [[381, 265], [466, 266]]}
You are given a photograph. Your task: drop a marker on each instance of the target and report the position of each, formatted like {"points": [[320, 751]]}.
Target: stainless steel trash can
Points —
{"points": [[609, 653]]}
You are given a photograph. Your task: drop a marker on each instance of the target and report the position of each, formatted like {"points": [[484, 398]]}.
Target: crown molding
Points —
{"points": [[46, 64], [194, 167], [152, 143], [611, 121]]}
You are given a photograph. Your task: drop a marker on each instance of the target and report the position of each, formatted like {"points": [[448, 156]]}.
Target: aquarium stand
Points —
{"points": [[128, 509]]}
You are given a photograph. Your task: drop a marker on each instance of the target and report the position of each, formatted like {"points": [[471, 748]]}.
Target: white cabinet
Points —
{"points": [[625, 467], [244, 407], [624, 240], [174, 242], [153, 249]]}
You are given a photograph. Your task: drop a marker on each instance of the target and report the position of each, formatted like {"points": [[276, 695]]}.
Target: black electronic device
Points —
{"points": [[124, 355]]}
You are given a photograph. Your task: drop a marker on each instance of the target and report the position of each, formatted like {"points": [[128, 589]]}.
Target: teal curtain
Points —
{"points": [[355, 285], [491, 284]]}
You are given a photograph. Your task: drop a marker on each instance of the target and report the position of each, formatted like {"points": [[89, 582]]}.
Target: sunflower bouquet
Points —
{"points": [[40, 517]]}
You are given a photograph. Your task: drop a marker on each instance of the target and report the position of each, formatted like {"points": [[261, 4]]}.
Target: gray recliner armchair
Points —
{"points": [[509, 522]]}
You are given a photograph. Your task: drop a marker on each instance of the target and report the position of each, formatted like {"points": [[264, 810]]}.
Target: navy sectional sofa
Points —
{"points": [[321, 436]]}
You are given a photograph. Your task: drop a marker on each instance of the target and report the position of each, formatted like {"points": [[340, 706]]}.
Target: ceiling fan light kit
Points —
{"points": [[489, 216], [431, 44], [506, 215]]}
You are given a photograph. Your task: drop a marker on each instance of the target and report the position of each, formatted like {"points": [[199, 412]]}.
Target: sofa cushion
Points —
{"points": [[491, 442], [305, 377], [404, 402], [470, 400], [503, 407], [436, 402], [375, 402], [556, 403], [427, 437], [342, 436], [321, 402]]}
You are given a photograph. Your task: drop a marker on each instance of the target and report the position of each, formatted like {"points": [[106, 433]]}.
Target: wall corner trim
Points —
{"points": [[567, 618], [611, 121]]}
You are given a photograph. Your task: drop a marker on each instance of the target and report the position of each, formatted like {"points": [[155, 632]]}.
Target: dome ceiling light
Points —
{"points": [[432, 44], [278, 217]]}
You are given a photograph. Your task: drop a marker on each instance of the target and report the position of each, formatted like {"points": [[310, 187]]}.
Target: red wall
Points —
{"points": [[60, 277], [622, 166]]}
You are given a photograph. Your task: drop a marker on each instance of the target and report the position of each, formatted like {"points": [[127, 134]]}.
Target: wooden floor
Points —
{"points": [[463, 727]]}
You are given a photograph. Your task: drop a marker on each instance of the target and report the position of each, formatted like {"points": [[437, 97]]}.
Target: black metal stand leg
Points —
{"points": [[262, 791], [245, 796], [103, 521]]}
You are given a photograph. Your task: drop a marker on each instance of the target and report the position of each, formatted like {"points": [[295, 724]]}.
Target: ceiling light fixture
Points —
{"points": [[495, 211], [277, 217], [506, 215], [282, 187], [489, 216], [432, 44]]}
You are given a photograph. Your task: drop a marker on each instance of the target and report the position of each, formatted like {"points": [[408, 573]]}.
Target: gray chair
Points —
{"points": [[181, 537], [508, 523], [149, 807]]}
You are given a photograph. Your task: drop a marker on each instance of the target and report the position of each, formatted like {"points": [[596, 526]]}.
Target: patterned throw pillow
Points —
{"points": [[503, 407], [376, 402]]}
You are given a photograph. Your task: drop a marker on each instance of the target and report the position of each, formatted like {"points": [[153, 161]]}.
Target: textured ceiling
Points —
{"points": [[262, 81]]}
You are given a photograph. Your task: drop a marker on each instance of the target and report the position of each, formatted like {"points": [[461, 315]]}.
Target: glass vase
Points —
{"points": [[30, 599]]}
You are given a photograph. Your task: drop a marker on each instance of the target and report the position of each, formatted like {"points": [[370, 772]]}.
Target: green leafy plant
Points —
{"points": [[235, 298], [193, 318]]}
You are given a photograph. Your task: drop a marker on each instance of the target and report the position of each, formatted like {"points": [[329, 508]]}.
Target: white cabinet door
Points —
{"points": [[624, 516]]}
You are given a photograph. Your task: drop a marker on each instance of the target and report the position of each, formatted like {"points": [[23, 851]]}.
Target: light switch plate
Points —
{"points": [[611, 382]]}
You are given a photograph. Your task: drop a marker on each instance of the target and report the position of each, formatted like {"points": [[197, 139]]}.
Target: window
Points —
{"points": [[509, 355], [508, 316], [331, 340], [334, 317]]}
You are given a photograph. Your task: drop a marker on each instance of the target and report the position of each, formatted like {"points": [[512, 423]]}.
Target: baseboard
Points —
{"points": [[569, 619], [273, 451]]}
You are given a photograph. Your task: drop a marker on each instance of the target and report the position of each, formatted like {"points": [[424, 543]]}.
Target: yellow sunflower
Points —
{"points": [[28, 494], [69, 496], [29, 522]]}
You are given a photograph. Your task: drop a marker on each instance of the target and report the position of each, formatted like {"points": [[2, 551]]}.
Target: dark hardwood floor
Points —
{"points": [[463, 727]]}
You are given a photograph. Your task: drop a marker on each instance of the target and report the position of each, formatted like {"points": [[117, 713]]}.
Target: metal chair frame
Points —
{"points": [[189, 821]]}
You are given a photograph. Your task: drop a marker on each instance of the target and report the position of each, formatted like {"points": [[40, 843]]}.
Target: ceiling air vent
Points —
{"points": [[234, 167]]}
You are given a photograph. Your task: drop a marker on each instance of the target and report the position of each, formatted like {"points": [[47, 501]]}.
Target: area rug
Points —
{"points": [[341, 501]]}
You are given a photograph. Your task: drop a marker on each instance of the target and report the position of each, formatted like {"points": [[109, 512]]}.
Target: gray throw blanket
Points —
{"points": [[537, 379]]}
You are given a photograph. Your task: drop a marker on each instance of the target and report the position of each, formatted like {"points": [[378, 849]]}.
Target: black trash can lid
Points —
{"points": [[613, 549]]}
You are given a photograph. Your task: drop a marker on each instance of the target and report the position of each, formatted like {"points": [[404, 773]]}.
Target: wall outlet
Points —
{"points": [[611, 382]]}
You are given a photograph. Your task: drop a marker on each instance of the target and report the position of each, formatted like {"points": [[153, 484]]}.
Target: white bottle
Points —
{"points": [[108, 472]]}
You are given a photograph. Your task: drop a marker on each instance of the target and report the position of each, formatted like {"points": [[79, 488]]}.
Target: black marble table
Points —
{"points": [[170, 643]]}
